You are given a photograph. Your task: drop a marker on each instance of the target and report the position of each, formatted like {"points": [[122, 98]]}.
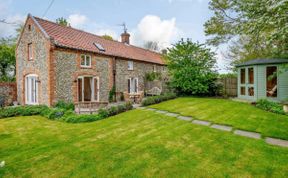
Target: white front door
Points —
{"points": [[31, 87]]}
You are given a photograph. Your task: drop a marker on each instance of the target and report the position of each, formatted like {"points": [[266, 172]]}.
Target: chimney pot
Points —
{"points": [[125, 38]]}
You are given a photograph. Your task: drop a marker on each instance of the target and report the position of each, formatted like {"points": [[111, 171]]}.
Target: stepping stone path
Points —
{"points": [[222, 127], [185, 118], [162, 112], [275, 141], [172, 114], [199, 122], [255, 135], [247, 134]]}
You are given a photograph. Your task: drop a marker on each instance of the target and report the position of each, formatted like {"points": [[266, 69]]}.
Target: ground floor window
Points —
{"points": [[271, 81], [31, 89], [133, 85], [88, 88]]}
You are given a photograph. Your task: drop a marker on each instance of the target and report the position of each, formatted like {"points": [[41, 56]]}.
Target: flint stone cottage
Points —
{"points": [[55, 63]]}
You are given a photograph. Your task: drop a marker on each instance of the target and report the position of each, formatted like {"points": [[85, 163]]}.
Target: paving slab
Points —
{"points": [[247, 134], [275, 141], [162, 112], [172, 114], [221, 127], [151, 109], [185, 118], [140, 108], [199, 122]]}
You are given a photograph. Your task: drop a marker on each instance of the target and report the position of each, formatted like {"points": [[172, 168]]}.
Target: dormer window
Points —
{"points": [[130, 65], [30, 52], [85, 61]]}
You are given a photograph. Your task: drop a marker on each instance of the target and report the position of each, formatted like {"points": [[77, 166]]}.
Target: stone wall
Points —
{"points": [[68, 69], [139, 71], [39, 65], [8, 90]]}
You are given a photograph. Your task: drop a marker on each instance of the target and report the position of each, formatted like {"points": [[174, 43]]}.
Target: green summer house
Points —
{"points": [[263, 78]]}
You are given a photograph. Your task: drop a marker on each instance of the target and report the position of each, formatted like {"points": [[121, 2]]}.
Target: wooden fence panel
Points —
{"points": [[229, 86]]}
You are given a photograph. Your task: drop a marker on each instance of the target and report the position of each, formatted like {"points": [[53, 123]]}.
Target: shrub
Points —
{"points": [[62, 114], [270, 106], [103, 113], [65, 105], [22, 111], [55, 113], [158, 99]]}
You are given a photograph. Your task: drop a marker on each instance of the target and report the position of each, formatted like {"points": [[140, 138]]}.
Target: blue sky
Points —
{"points": [[164, 21]]}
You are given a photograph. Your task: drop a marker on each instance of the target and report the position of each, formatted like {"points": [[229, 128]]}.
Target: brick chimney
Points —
{"points": [[125, 38]]}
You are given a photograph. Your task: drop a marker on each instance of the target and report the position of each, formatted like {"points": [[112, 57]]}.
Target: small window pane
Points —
{"points": [[88, 61], [251, 91], [82, 60], [251, 75], [271, 81], [242, 76], [30, 52], [130, 65], [242, 90]]}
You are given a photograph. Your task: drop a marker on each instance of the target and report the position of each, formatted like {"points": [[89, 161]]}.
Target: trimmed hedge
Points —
{"points": [[158, 99], [270, 106], [63, 113], [22, 111]]}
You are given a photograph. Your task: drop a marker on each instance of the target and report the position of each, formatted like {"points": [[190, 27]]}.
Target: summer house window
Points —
{"points": [[30, 51], [154, 68], [130, 65], [242, 76], [271, 81], [85, 60]]}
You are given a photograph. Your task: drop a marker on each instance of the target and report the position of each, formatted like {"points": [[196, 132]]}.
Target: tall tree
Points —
{"points": [[191, 67], [7, 59], [62, 21], [252, 28], [152, 45]]}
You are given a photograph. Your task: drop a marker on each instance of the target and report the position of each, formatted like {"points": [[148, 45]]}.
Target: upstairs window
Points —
{"points": [[85, 60], [30, 52], [130, 65], [154, 68]]}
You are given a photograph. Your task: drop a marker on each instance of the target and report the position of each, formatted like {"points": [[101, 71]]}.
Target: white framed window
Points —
{"points": [[30, 51], [31, 89], [154, 68], [85, 61], [130, 65], [88, 88], [133, 85]]}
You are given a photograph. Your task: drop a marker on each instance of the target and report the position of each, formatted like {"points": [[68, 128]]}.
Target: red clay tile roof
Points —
{"points": [[77, 39]]}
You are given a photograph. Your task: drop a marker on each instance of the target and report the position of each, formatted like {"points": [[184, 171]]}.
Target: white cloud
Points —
{"points": [[152, 28], [77, 20]]}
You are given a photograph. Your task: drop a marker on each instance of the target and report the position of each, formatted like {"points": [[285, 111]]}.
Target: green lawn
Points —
{"points": [[237, 114], [133, 144]]}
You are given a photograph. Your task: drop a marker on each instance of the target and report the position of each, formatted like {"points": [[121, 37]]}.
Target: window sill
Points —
{"points": [[86, 67]]}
